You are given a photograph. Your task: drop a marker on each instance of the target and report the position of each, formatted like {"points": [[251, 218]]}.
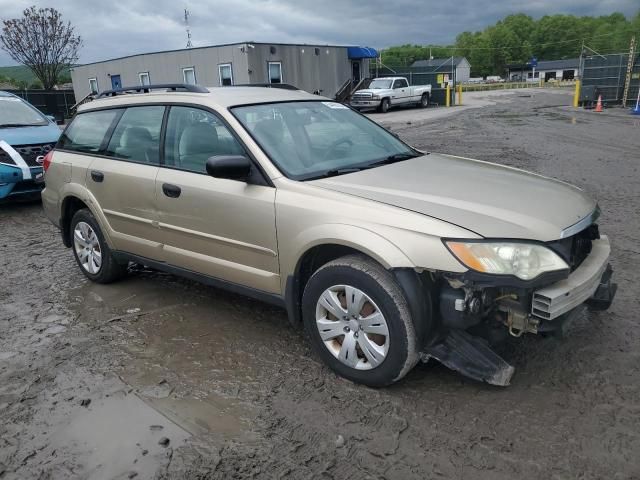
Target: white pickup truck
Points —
{"points": [[384, 93]]}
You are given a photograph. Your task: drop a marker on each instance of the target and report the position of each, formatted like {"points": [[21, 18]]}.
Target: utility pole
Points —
{"points": [[186, 23], [627, 80]]}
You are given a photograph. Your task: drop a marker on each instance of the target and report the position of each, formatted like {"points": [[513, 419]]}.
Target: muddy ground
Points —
{"points": [[160, 377]]}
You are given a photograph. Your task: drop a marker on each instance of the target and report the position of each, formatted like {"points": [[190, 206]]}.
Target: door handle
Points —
{"points": [[97, 176], [170, 190]]}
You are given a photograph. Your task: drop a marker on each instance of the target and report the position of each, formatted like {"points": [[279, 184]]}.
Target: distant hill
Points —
{"points": [[20, 73]]}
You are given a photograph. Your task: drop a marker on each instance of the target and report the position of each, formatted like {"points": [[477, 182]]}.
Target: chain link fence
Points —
{"points": [[606, 75]]}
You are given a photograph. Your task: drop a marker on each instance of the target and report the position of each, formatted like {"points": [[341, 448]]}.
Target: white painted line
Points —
{"points": [[16, 157]]}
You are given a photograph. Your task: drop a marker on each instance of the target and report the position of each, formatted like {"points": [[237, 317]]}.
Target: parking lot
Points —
{"points": [[157, 376]]}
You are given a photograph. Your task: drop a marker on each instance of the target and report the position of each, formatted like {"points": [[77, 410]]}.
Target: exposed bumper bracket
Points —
{"points": [[606, 291], [470, 356]]}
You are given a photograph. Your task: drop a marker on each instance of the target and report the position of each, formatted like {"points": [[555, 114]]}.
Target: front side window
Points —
{"points": [[193, 136], [87, 131], [93, 85], [314, 139], [144, 78], [226, 74], [275, 72], [189, 75], [137, 135], [16, 113]]}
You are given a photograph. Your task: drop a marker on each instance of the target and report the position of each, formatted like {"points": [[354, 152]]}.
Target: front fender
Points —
{"points": [[358, 238]]}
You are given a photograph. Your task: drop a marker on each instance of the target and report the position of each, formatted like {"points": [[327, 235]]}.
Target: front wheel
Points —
{"points": [[358, 321], [384, 106]]}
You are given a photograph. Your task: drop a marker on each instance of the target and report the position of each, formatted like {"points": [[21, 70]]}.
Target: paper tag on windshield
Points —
{"points": [[335, 105]]}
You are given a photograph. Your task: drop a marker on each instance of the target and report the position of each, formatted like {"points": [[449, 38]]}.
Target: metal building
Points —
{"points": [[460, 65], [314, 68], [566, 69]]}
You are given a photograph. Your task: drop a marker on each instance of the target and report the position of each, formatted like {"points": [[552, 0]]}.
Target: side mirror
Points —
{"points": [[52, 118], [231, 167]]}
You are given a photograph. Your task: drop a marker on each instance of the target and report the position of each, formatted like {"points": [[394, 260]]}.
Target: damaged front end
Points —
{"points": [[478, 310]]}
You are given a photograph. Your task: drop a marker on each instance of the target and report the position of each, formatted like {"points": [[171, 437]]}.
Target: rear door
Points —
{"points": [[221, 228], [122, 179]]}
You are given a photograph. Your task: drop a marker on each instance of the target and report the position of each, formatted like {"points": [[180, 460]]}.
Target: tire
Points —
{"points": [[388, 357], [424, 100], [89, 240], [384, 106]]}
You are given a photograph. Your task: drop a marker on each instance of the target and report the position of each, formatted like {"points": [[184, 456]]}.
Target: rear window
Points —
{"points": [[87, 131]]}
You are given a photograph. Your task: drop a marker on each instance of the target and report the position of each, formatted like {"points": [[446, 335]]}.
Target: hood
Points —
{"points": [[488, 199], [372, 91], [30, 135]]}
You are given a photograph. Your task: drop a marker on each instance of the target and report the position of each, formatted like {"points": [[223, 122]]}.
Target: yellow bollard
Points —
{"points": [[459, 95], [448, 94], [576, 95]]}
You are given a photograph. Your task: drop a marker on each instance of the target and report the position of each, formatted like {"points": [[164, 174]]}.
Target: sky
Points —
{"points": [[111, 29]]}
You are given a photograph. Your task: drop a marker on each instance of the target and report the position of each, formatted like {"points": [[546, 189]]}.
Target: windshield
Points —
{"points": [[380, 84], [16, 113], [314, 139]]}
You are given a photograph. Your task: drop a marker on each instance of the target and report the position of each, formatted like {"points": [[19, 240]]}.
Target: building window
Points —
{"points": [[93, 85], [225, 73], [189, 75], [275, 72], [144, 78]]}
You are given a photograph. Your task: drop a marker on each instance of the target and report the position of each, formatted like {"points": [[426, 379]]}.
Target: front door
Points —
{"points": [[221, 228], [355, 67], [115, 82]]}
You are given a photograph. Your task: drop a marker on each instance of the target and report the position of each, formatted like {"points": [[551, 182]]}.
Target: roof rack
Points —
{"points": [[172, 87], [284, 86]]}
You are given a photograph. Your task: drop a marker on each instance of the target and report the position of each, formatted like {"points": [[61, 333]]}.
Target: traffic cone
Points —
{"points": [[599, 104]]}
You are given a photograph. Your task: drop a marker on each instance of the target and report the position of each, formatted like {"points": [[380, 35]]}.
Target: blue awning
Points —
{"points": [[357, 53]]}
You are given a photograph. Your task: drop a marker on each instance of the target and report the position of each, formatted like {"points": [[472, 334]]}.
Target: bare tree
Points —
{"points": [[41, 41]]}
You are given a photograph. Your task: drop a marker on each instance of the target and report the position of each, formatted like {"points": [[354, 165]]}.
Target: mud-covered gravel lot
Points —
{"points": [[160, 377]]}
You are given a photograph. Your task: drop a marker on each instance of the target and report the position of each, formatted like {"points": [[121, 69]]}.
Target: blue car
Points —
{"points": [[26, 136]]}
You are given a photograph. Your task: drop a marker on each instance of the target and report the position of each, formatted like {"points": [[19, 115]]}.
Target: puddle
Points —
{"points": [[114, 437], [223, 418]]}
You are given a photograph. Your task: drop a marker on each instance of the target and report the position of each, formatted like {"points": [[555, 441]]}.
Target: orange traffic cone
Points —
{"points": [[599, 104]]}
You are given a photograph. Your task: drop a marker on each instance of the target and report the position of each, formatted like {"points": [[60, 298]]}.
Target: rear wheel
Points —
{"points": [[91, 251], [358, 321], [424, 100], [384, 106]]}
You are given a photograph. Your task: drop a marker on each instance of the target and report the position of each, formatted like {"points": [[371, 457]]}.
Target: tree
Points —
{"points": [[41, 41]]}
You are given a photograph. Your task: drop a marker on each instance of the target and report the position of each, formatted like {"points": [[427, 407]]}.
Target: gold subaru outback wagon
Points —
{"points": [[386, 254]]}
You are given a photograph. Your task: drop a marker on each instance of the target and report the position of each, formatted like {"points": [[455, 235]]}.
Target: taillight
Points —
{"points": [[47, 160]]}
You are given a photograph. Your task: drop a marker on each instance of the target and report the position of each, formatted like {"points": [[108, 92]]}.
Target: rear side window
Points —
{"points": [[87, 131], [137, 135]]}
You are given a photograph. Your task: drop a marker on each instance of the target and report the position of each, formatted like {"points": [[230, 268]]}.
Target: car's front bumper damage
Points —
{"points": [[475, 314]]}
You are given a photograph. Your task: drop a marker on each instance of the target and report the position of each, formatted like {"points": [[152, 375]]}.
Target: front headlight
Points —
{"points": [[375, 97], [525, 261]]}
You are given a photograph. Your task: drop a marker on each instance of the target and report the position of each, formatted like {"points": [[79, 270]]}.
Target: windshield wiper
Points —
{"points": [[3, 125], [396, 157]]}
